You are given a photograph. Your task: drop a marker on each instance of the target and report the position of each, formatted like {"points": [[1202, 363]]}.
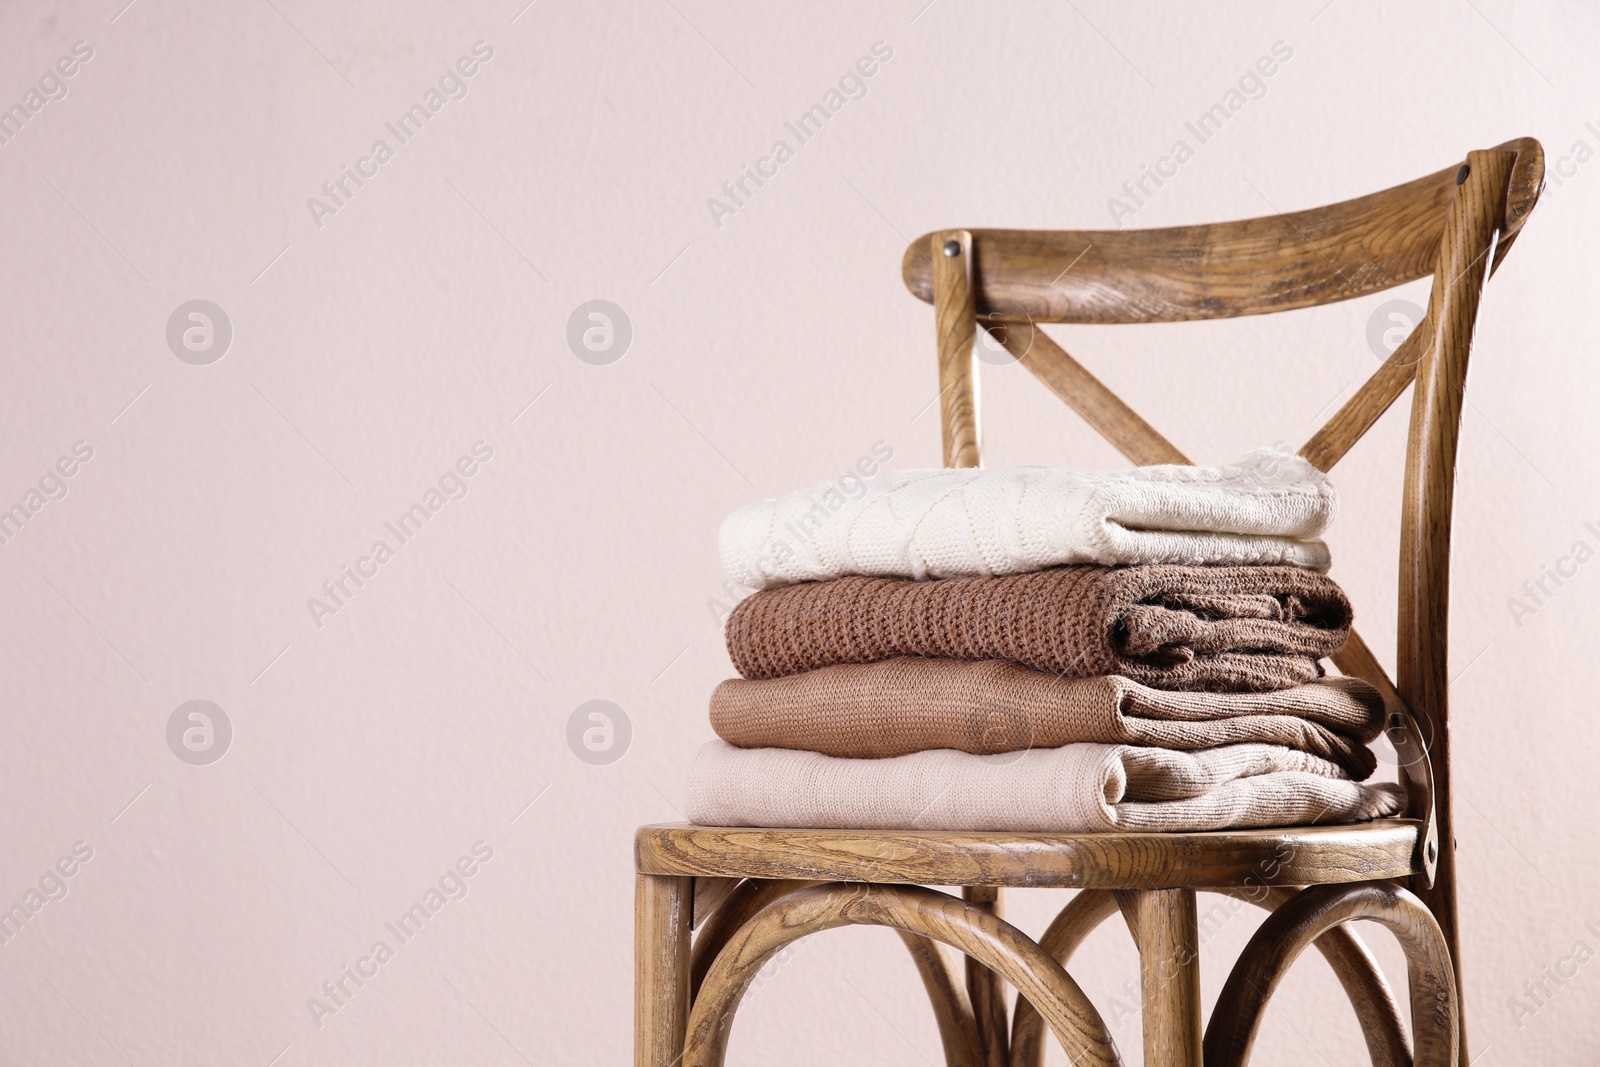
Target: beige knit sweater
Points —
{"points": [[899, 706], [1074, 789]]}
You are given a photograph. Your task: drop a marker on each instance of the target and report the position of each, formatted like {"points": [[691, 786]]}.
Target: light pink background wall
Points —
{"points": [[370, 352]]}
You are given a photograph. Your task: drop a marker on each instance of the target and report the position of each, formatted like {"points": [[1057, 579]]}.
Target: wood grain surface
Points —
{"points": [[1300, 856]]}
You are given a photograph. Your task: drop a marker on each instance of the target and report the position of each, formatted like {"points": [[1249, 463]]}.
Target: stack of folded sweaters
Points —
{"points": [[1034, 649]]}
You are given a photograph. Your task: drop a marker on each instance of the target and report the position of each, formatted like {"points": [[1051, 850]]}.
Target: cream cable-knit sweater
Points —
{"points": [[1268, 507]]}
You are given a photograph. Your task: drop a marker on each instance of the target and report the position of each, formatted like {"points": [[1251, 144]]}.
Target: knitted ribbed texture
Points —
{"points": [[900, 706], [1073, 789], [1241, 629], [1266, 508]]}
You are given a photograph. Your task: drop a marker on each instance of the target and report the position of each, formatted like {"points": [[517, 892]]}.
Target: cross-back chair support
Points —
{"points": [[1456, 224], [751, 891]]}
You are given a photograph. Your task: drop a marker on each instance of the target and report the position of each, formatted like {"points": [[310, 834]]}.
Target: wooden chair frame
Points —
{"points": [[752, 891]]}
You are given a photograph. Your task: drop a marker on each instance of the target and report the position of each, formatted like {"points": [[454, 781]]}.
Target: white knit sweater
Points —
{"points": [[1268, 507]]}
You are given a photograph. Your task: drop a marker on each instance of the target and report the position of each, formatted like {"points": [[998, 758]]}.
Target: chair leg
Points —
{"points": [[1169, 975], [662, 910], [1435, 1008], [952, 1008], [986, 991]]}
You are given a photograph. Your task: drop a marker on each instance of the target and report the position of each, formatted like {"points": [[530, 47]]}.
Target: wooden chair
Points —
{"points": [[751, 891]]}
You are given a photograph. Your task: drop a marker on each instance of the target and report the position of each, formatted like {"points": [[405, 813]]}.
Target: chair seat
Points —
{"points": [[1293, 856]]}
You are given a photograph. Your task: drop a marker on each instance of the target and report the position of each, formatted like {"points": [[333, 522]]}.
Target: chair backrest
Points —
{"points": [[1456, 224]]}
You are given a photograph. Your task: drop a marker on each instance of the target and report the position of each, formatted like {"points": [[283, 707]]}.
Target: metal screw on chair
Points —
{"points": [[952, 248], [1461, 175]]}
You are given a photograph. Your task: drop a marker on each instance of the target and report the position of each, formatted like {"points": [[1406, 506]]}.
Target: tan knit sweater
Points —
{"points": [[899, 706], [1170, 627]]}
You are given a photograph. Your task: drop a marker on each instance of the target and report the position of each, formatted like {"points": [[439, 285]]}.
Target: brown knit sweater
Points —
{"points": [[911, 704], [1238, 629]]}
